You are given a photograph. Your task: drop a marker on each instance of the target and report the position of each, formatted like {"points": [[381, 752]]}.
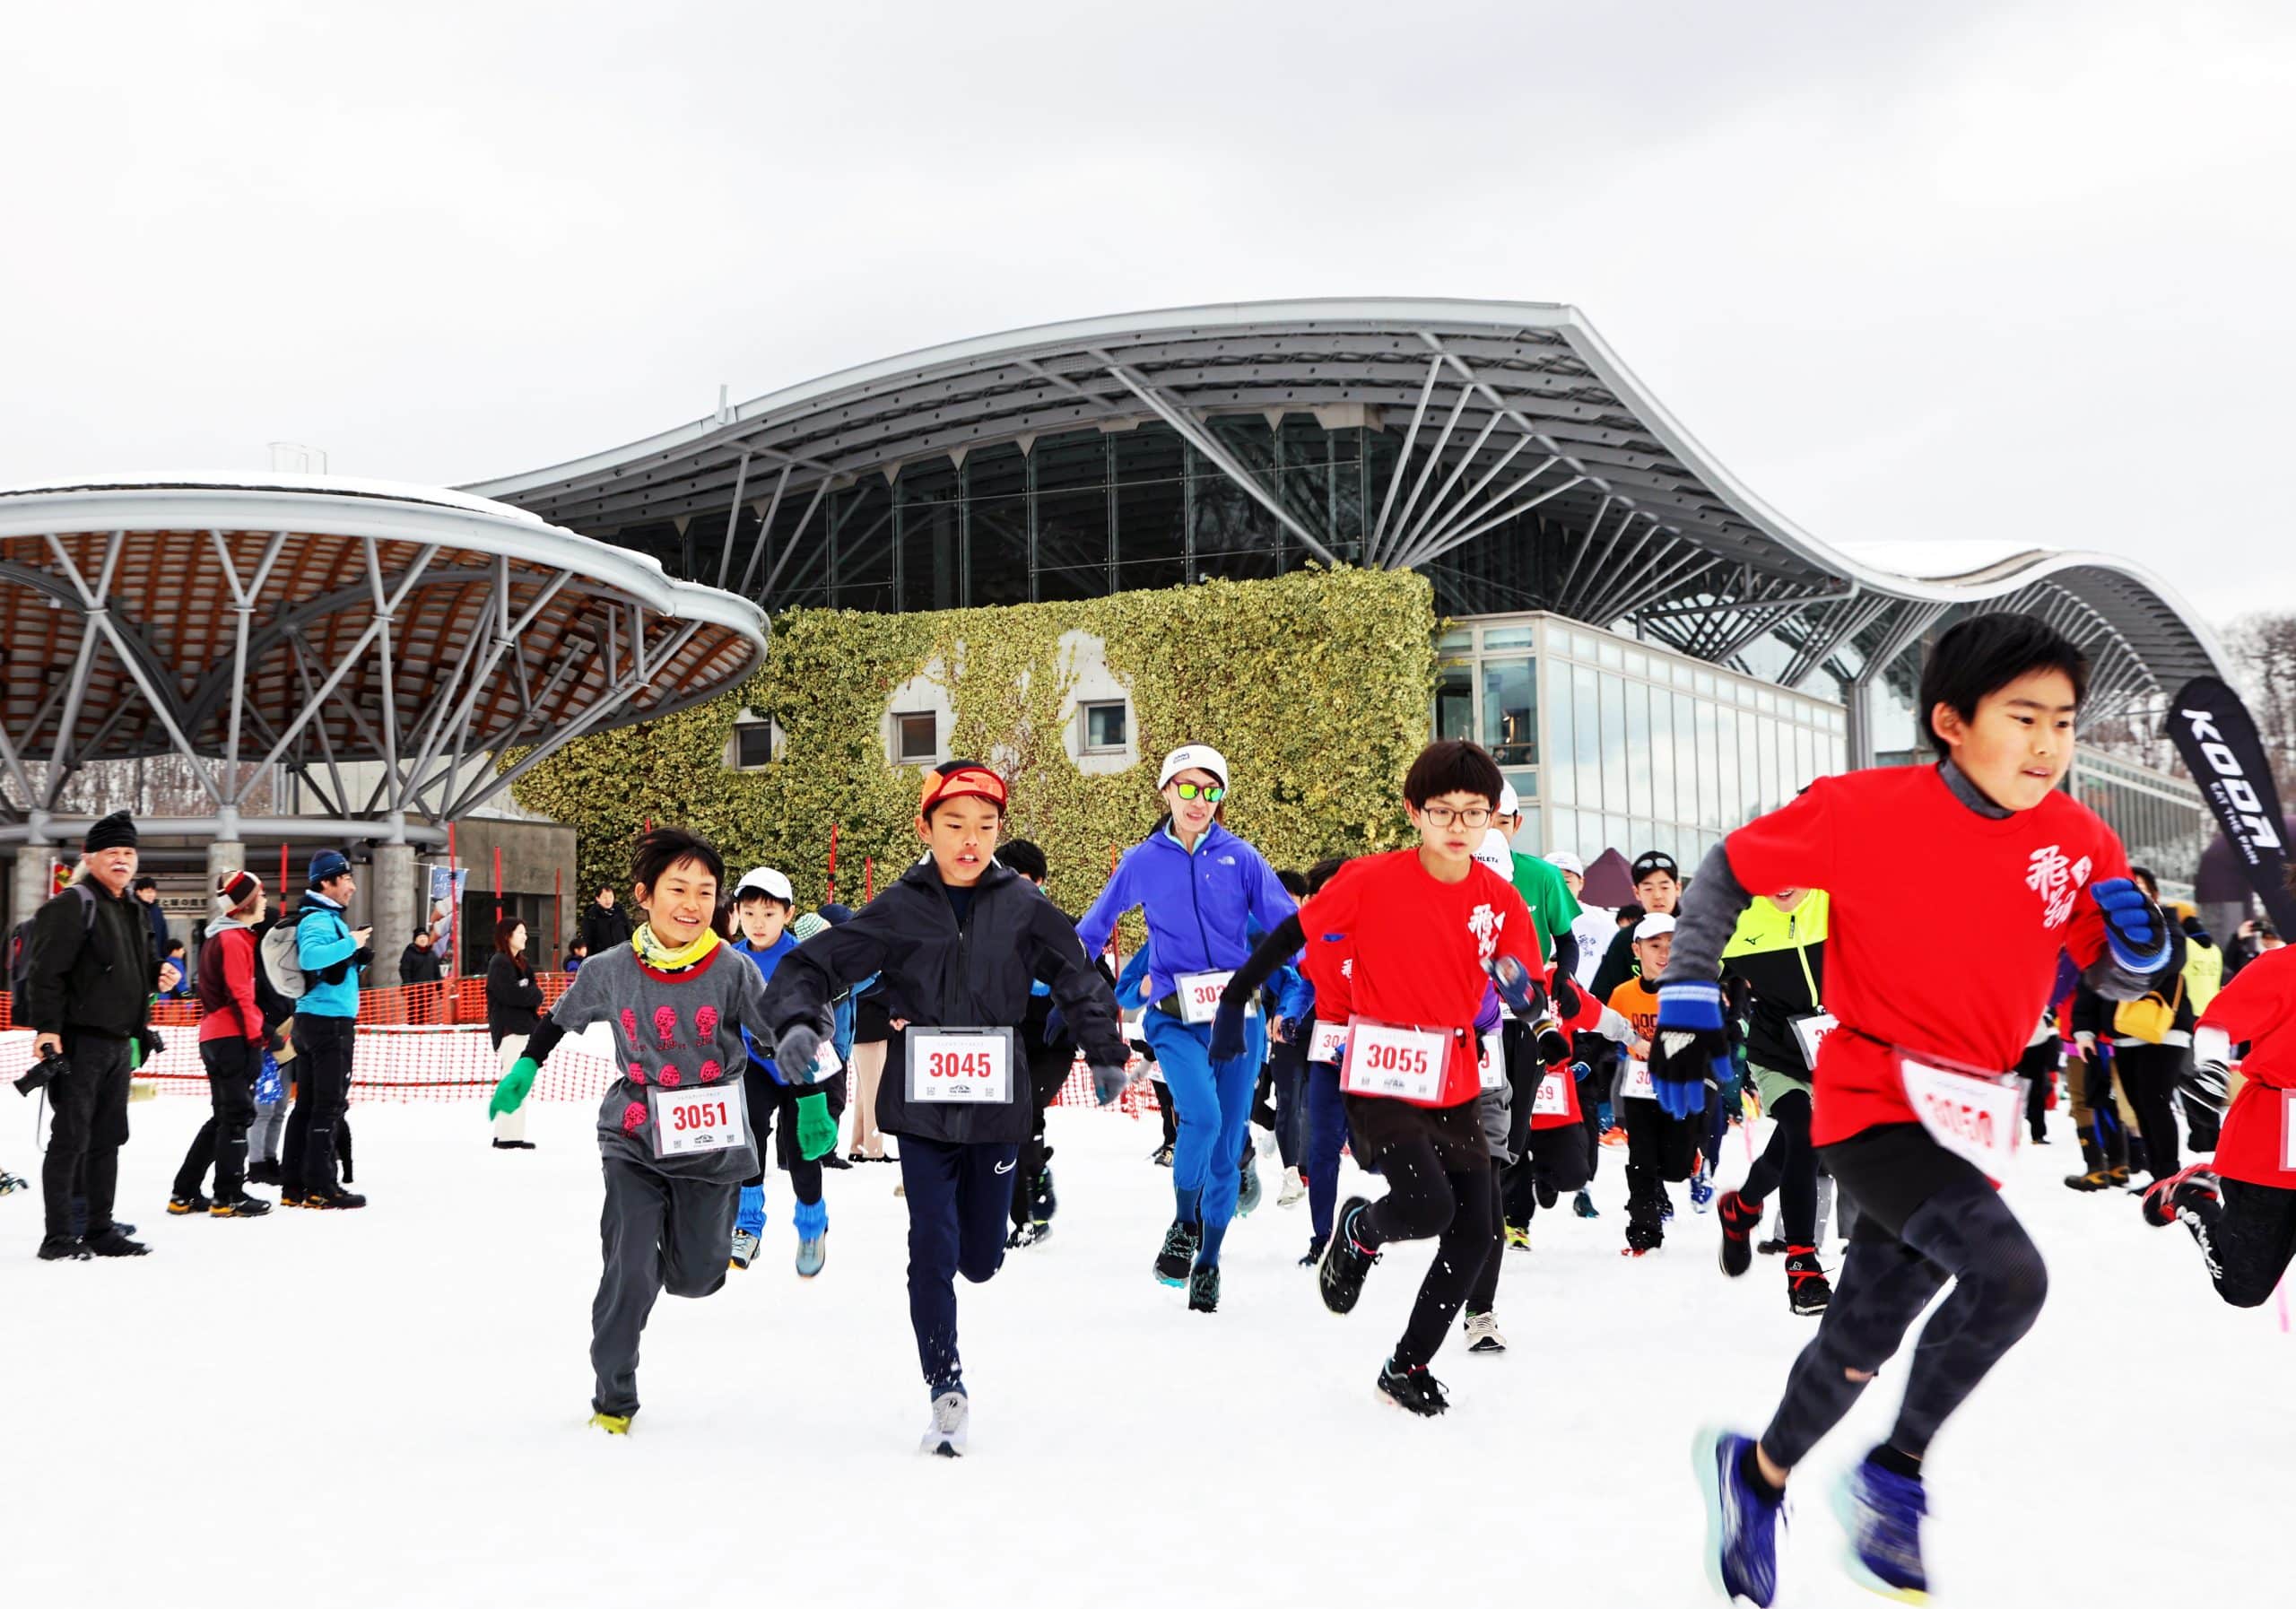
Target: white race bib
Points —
{"points": [[1328, 1042], [1493, 1067], [971, 1065], [1810, 1031], [1636, 1085], [1199, 995], [1405, 1063], [708, 1117], [1978, 1120], [2288, 1131], [1554, 1097], [827, 1062]]}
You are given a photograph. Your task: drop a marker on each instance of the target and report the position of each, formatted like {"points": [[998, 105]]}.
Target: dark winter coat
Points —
{"points": [[934, 971], [513, 999], [419, 965], [90, 976], [603, 929]]}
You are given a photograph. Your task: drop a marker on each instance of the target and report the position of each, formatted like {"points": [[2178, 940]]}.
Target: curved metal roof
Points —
{"points": [[1481, 391], [314, 622]]}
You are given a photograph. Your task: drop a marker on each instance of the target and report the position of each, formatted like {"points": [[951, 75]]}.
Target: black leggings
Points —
{"points": [[1484, 1295], [1048, 1069], [2148, 1073], [1789, 1166], [1925, 1216], [2248, 1239], [222, 1142], [1455, 1209]]}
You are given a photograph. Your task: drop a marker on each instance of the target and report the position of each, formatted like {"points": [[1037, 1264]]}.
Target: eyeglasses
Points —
{"points": [[1443, 815], [1193, 790]]}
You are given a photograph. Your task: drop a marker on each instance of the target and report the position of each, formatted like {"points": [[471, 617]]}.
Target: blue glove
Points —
{"points": [[1688, 1049], [2136, 932], [1578, 1070], [1517, 985], [1228, 1032]]}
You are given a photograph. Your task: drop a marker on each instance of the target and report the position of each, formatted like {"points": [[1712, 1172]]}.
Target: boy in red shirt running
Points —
{"points": [[1406, 949], [1915, 1111]]}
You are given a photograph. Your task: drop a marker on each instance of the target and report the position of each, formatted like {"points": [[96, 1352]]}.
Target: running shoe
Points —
{"points": [[1203, 1288], [1702, 1192], [1614, 1137], [1412, 1390], [1247, 1187], [613, 1424], [1161, 1156], [1347, 1262], [1882, 1511], [1808, 1291], [183, 1206], [1741, 1523], [811, 1255], [744, 1250], [1518, 1238], [1293, 1190], [945, 1435], [1315, 1254], [1583, 1203], [1026, 1234], [2169, 1195], [1739, 1222], [1178, 1255], [239, 1207], [1483, 1333], [1545, 1194]]}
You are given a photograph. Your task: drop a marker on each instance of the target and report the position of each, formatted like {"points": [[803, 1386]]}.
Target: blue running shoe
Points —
{"points": [[1741, 1527], [1702, 1192], [1882, 1511]]}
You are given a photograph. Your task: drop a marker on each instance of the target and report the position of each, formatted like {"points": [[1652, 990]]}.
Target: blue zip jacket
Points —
{"points": [[1132, 983], [1201, 908], [321, 938], [765, 961]]}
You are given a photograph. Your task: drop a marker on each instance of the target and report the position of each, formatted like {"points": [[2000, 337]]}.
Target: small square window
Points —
{"points": [[1107, 727], [917, 737], [754, 744]]}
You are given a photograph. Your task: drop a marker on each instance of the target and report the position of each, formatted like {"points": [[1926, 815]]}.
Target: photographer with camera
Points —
{"points": [[88, 996]]}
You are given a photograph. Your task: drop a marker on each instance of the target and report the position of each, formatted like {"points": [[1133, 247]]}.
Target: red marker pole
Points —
{"points": [[868, 878], [833, 863], [498, 883]]}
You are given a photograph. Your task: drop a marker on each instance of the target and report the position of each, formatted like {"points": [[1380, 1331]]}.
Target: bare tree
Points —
{"points": [[2262, 647]]}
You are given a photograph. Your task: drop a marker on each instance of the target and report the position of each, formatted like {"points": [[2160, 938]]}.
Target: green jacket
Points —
{"points": [[1780, 957], [1548, 896]]}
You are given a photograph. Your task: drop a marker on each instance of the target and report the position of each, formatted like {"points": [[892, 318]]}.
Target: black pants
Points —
{"points": [[1048, 1069], [1516, 1182], [958, 1197], [1169, 1112], [2148, 1073], [322, 1092], [768, 1099], [1287, 1073], [1657, 1148], [89, 1126], [654, 1233], [1425, 1201], [222, 1142], [1484, 1295], [1925, 1216], [1789, 1166], [2248, 1238]]}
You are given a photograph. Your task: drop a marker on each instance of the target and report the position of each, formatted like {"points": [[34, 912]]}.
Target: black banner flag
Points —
{"points": [[2213, 733]]}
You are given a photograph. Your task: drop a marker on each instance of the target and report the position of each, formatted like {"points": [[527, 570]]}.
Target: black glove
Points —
{"points": [[1554, 1049], [151, 1042], [1567, 1000]]}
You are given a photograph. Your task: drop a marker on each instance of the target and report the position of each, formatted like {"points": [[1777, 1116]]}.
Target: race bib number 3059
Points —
{"points": [[1404, 1063], [957, 1064], [689, 1122], [1977, 1119]]}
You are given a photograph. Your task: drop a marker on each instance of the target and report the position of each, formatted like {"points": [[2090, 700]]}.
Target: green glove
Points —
{"points": [[816, 1129], [517, 1085]]}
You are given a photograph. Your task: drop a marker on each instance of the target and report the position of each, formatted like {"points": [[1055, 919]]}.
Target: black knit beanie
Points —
{"points": [[115, 831]]}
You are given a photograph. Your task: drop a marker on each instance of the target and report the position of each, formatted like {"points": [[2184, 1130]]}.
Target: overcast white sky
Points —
{"points": [[1954, 270]]}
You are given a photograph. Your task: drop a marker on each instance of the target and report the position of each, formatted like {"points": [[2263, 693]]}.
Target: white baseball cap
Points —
{"points": [[1510, 803], [1494, 853], [765, 881], [1563, 860], [1653, 926], [1194, 757]]}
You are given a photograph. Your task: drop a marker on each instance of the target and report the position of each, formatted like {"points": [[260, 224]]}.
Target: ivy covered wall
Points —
{"points": [[1316, 685]]}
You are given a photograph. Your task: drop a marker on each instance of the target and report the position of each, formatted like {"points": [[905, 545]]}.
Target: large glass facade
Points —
{"points": [[1616, 744], [2161, 820]]}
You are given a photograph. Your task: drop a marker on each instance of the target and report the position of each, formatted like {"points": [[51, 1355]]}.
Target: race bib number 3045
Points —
{"points": [[972, 1066], [1328, 1042], [689, 1122], [1407, 1063], [1977, 1119]]}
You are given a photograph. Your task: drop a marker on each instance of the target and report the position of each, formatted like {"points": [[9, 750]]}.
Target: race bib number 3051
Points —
{"points": [[1404, 1063], [972, 1066], [689, 1122], [1977, 1119]]}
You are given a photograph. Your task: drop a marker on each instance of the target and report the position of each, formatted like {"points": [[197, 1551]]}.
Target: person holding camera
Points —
{"points": [[88, 996], [331, 952]]}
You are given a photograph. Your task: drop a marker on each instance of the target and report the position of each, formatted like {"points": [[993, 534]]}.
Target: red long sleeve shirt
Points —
{"points": [[2258, 1007], [227, 963]]}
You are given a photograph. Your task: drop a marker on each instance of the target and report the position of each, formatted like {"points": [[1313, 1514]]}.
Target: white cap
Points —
{"points": [[1563, 860], [1194, 757], [1510, 803], [1494, 853], [765, 880], [1653, 926]]}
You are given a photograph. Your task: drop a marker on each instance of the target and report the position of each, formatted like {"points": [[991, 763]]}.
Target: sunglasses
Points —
{"points": [[1193, 790]]}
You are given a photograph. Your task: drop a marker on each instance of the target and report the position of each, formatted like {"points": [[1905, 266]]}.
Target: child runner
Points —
{"points": [[1397, 949], [1659, 1146], [1919, 1069], [1202, 890], [957, 941], [1323, 1134], [1050, 1052], [809, 1113], [672, 1131]]}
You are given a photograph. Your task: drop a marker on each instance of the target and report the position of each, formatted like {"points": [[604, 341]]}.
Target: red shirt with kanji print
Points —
{"points": [[2258, 1008], [1944, 926], [1413, 949]]}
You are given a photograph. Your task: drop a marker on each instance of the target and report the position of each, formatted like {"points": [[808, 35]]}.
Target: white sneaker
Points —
{"points": [[744, 1248], [1268, 1142], [1294, 1190], [945, 1436], [1483, 1333]]}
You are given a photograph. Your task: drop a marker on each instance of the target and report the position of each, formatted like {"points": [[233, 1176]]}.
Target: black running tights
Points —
{"points": [[2248, 1239], [1423, 1200], [2148, 1073], [1788, 1166]]}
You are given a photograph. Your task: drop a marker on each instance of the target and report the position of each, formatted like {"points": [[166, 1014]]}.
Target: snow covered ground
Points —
{"points": [[386, 1408]]}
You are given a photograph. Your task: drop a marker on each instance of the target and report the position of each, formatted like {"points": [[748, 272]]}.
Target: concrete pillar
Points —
{"points": [[30, 887], [224, 855], [395, 906]]}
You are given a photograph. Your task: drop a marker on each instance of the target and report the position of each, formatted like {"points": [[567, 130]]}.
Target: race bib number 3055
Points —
{"points": [[1404, 1063], [972, 1066], [1977, 1119], [689, 1122]]}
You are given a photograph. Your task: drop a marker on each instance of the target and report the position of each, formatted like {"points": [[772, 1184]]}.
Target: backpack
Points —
{"points": [[20, 941], [283, 964], [2149, 1017]]}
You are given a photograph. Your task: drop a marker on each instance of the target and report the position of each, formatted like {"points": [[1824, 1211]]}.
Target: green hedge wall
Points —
{"points": [[1315, 685]]}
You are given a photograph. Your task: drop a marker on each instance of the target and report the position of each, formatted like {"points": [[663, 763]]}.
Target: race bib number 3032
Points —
{"points": [[1200, 993]]}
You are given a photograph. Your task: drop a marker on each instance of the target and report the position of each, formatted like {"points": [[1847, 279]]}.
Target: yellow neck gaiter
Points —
{"points": [[651, 952]]}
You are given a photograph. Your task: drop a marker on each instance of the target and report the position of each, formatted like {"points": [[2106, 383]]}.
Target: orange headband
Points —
{"points": [[974, 781]]}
